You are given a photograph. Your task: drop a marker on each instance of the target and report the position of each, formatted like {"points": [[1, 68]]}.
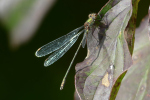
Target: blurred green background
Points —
{"points": [[23, 76]]}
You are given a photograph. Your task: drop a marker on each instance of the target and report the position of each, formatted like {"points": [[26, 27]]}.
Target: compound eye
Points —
{"points": [[90, 16]]}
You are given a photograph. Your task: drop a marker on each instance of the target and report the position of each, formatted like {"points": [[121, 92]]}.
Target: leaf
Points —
{"points": [[76, 97], [129, 36], [22, 17], [130, 30], [116, 86], [96, 75], [136, 83], [149, 19]]}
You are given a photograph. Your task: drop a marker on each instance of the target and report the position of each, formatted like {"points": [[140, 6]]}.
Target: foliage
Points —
{"points": [[99, 76]]}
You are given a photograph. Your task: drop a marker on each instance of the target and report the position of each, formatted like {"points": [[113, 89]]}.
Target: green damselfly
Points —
{"points": [[61, 45]]}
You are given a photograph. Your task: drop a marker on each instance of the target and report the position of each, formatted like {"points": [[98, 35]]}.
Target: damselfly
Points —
{"points": [[61, 45]]}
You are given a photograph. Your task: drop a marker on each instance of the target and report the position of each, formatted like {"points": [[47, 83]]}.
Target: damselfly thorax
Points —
{"points": [[89, 23]]}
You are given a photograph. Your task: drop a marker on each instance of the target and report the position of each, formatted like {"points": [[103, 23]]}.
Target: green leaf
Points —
{"points": [[17, 13], [149, 19], [22, 17], [116, 86]]}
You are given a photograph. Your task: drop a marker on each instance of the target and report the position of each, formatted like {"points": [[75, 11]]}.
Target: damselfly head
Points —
{"points": [[90, 21], [92, 15]]}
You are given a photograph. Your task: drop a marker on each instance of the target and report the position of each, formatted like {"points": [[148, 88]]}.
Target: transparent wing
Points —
{"points": [[56, 44], [84, 40], [59, 53]]}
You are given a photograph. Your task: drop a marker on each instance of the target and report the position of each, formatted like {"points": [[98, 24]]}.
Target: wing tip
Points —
{"points": [[46, 65], [37, 53]]}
